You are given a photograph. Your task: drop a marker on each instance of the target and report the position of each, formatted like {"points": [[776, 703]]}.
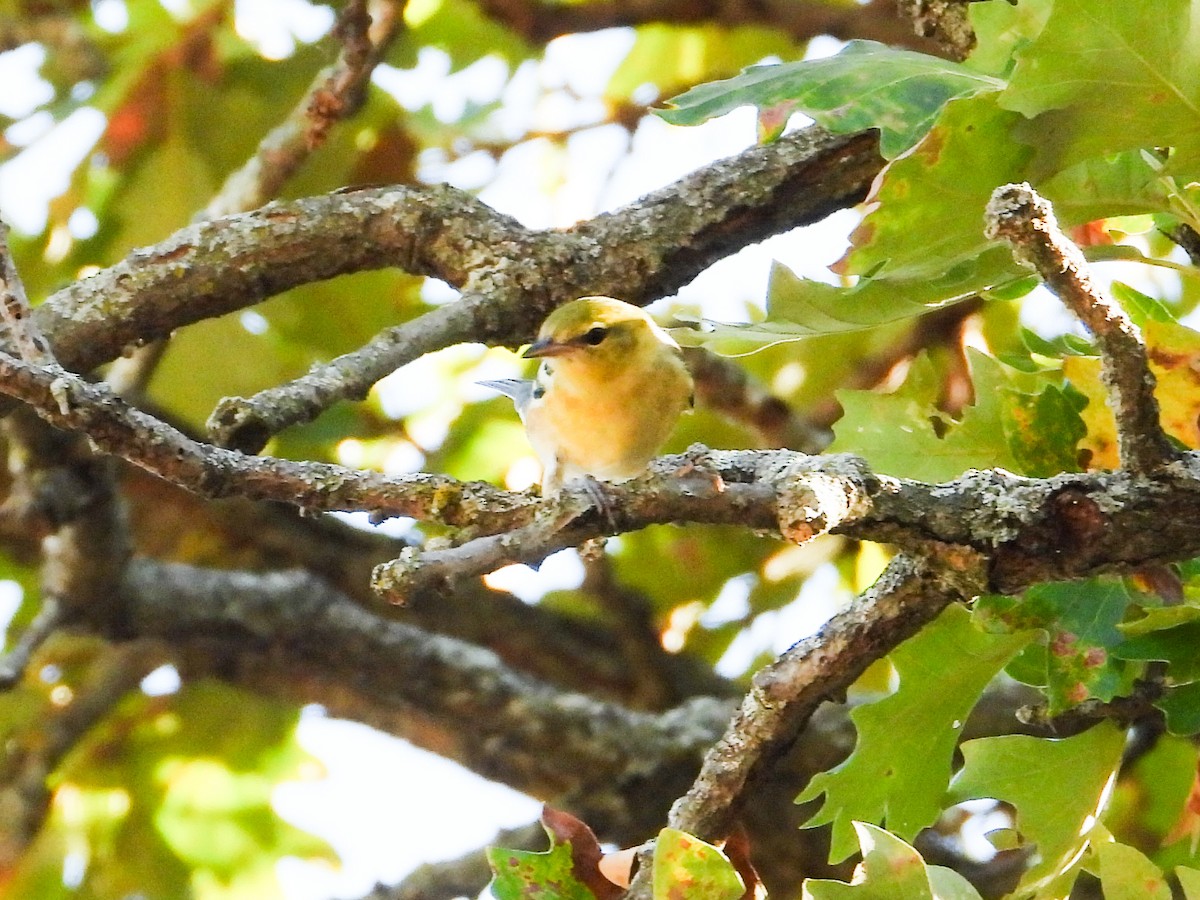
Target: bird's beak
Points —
{"points": [[546, 347]]}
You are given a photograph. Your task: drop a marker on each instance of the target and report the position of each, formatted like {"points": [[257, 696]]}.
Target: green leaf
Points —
{"points": [[801, 307], [171, 796], [1150, 795], [1001, 28], [1043, 430], [685, 866], [1029, 434], [1189, 881], [949, 885], [1103, 187], [1182, 708], [1083, 655], [1059, 788], [1104, 76], [866, 85], [891, 870], [1142, 308], [1160, 618], [901, 762], [1175, 646], [1127, 874], [521, 874], [926, 213], [674, 55]]}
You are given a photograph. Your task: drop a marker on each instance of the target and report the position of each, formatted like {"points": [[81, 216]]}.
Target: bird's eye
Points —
{"points": [[595, 335]]}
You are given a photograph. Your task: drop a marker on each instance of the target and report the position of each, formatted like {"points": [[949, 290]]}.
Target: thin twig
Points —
{"points": [[1017, 214], [14, 308], [44, 624], [336, 93], [726, 388], [248, 423]]}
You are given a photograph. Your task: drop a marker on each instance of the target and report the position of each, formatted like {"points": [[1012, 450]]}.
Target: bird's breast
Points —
{"points": [[608, 427]]}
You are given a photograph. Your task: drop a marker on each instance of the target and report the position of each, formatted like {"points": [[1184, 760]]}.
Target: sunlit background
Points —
{"points": [[369, 776]]}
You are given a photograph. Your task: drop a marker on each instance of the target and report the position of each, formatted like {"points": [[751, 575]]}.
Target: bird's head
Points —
{"points": [[598, 331]]}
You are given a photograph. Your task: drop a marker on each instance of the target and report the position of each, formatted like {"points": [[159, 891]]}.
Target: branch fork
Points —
{"points": [[1018, 214]]}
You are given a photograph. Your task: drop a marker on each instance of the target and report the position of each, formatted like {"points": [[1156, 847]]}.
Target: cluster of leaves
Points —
{"points": [[171, 795], [1093, 102]]}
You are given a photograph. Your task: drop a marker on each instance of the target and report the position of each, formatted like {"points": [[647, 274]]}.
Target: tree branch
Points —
{"points": [[784, 695], [1030, 529], [540, 22], [1018, 215], [726, 388], [336, 93], [290, 635], [14, 309], [511, 277]]}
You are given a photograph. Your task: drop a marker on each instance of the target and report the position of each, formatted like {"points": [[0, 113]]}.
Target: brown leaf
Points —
{"points": [[585, 851], [737, 849]]}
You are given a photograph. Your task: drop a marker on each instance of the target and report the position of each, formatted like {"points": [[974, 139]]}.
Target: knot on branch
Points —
{"points": [[813, 501], [235, 425]]}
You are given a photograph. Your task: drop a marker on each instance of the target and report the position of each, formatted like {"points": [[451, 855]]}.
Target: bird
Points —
{"points": [[608, 392]]}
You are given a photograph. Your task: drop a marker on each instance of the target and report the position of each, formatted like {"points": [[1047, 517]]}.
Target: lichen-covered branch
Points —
{"points": [[15, 311], [785, 694], [67, 401], [909, 595], [1029, 529], [212, 268], [438, 692], [1017, 214]]}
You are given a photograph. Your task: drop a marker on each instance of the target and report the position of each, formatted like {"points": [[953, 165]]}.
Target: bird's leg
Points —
{"points": [[600, 500]]}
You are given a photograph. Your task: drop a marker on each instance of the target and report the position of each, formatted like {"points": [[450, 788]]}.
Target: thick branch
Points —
{"points": [[539, 21], [289, 634], [513, 277], [785, 694], [65, 400], [1031, 530], [1018, 215], [212, 268]]}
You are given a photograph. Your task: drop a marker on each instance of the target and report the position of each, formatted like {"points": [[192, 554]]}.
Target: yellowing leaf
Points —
{"points": [[1174, 352]]}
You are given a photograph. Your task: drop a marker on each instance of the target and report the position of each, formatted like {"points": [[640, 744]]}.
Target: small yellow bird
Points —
{"points": [[611, 385]]}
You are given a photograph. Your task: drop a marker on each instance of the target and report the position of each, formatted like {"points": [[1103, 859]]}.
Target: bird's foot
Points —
{"points": [[600, 500]]}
